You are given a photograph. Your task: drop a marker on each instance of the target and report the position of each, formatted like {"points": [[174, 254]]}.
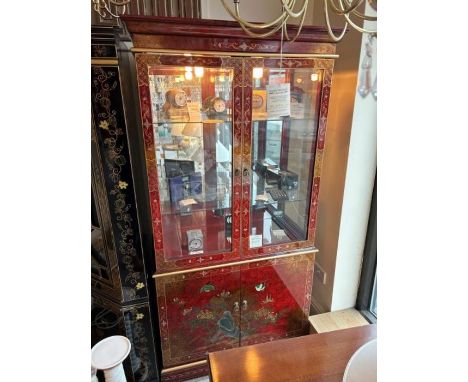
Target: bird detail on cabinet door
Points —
{"points": [[260, 287], [207, 288]]}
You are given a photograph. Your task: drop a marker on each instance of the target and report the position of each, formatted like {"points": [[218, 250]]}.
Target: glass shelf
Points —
{"points": [[282, 119], [202, 119], [261, 204]]}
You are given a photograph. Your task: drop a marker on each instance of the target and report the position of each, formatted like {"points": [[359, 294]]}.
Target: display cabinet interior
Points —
{"points": [[192, 121], [285, 110]]}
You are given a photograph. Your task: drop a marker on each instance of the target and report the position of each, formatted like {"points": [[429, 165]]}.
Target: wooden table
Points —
{"points": [[316, 357]]}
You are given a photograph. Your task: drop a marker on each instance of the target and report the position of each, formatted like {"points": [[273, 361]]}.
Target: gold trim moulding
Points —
{"points": [[233, 54], [175, 368], [191, 270], [103, 61]]}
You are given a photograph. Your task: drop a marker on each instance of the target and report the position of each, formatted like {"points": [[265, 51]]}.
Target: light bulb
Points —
{"points": [[257, 73], [299, 80], [188, 68], [188, 75], [314, 76], [198, 71]]}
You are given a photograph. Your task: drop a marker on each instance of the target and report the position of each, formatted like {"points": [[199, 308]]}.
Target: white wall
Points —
{"points": [[360, 174], [339, 125]]}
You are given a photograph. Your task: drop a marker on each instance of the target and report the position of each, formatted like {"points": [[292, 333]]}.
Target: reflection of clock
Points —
{"points": [[214, 106], [176, 105], [258, 103], [176, 97], [195, 241]]}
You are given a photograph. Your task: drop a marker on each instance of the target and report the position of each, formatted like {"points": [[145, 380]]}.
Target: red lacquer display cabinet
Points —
{"points": [[234, 135]]}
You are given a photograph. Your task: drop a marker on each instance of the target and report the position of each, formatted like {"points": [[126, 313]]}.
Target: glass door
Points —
{"points": [[282, 133], [190, 149]]}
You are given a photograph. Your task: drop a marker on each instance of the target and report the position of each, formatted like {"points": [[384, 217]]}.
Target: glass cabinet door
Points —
{"points": [[284, 124], [192, 127]]}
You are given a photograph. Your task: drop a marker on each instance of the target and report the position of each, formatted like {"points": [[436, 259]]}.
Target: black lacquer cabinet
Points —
{"points": [[119, 281]]}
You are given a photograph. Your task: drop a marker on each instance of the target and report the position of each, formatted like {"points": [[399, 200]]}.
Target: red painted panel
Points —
{"points": [[198, 313], [275, 298]]}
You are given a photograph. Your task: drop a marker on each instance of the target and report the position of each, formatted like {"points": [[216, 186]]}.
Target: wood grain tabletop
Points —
{"points": [[316, 357]]}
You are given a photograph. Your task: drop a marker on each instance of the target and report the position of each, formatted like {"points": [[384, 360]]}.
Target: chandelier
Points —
{"points": [[348, 9], [345, 8], [104, 8]]}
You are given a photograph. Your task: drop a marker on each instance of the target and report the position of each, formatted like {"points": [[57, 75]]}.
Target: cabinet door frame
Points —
{"points": [[143, 62], [287, 63]]}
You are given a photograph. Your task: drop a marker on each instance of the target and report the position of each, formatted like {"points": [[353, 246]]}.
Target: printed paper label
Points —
{"points": [[255, 241], [278, 100]]}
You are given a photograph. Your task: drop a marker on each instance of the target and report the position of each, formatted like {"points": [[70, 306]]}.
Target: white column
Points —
{"points": [[360, 174]]}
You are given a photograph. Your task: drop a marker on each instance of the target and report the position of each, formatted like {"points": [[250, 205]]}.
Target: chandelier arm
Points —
{"points": [[112, 14], [250, 25], [98, 8], [363, 16], [119, 3], [342, 10], [100, 12], [299, 29], [357, 27], [330, 31], [261, 35], [107, 8], [290, 11], [104, 10]]}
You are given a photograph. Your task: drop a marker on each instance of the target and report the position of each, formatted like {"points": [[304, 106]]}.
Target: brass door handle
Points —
{"points": [[236, 172], [244, 305], [246, 172], [236, 306]]}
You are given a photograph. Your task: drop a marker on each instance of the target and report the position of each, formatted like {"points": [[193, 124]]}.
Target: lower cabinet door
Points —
{"points": [[199, 312], [275, 298]]}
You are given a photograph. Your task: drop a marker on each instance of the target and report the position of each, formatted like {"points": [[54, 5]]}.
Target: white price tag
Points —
{"points": [[255, 241], [187, 202], [278, 100]]}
